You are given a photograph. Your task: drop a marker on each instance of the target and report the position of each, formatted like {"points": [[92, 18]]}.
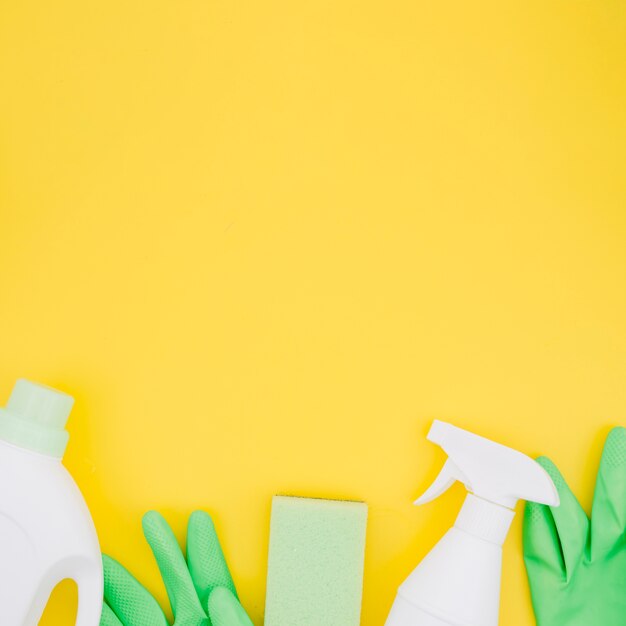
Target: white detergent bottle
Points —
{"points": [[46, 532], [458, 582]]}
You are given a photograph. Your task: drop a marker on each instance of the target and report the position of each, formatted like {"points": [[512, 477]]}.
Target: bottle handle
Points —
{"points": [[30, 602], [90, 585]]}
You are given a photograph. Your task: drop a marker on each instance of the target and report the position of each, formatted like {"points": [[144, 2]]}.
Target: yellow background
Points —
{"points": [[264, 244]]}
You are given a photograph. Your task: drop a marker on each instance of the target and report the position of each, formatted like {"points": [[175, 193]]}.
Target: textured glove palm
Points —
{"points": [[576, 566], [200, 589]]}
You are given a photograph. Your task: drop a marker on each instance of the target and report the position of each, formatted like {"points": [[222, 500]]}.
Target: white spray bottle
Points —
{"points": [[458, 582], [46, 532]]}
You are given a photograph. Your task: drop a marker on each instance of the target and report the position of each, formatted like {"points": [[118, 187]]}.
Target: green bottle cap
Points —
{"points": [[35, 418]]}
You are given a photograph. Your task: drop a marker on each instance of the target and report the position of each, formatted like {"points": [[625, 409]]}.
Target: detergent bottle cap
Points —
{"points": [[35, 418], [489, 470]]}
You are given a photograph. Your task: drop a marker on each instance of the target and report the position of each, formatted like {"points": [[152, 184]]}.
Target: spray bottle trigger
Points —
{"points": [[448, 475]]}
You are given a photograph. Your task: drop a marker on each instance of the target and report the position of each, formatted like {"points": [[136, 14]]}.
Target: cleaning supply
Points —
{"points": [[458, 582], [46, 532], [200, 589], [577, 567], [315, 571]]}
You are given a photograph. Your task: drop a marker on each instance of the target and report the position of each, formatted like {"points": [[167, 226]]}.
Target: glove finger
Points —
{"points": [[205, 557], [185, 604], [542, 548], [572, 523], [108, 618], [127, 598], [226, 610], [608, 518]]}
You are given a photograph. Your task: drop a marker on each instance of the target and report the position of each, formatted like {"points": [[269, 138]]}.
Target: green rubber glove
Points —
{"points": [[577, 567], [200, 589]]}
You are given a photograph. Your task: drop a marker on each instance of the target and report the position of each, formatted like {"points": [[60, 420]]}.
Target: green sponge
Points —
{"points": [[315, 570]]}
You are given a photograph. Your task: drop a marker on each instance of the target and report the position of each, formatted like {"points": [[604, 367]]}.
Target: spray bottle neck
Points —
{"points": [[484, 519]]}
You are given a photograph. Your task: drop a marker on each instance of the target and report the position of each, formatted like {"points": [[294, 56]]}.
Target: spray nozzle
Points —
{"points": [[489, 470]]}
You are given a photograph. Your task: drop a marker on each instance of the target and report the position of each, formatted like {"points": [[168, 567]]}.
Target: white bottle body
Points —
{"points": [[46, 535], [458, 582]]}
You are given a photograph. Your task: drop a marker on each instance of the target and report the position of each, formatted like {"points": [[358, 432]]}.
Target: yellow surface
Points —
{"points": [[265, 243]]}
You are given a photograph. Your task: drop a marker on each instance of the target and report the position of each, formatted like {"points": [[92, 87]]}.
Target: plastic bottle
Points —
{"points": [[458, 582], [46, 531]]}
